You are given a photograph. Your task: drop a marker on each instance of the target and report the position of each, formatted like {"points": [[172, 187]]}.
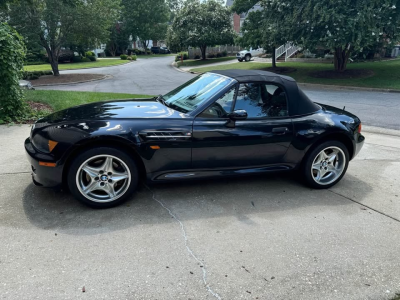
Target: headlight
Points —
{"points": [[42, 144]]}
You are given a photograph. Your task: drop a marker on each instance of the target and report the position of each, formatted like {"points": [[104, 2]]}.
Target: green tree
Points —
{"points": [[54, 24], [343, 26], [12, 54], [119, 39], [146, 20], [174, 41], [203, 24]]}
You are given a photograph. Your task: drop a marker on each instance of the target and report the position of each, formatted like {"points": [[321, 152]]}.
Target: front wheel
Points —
{"points": [[326, 165], [240, 60], [103, 177], [247, 57]]}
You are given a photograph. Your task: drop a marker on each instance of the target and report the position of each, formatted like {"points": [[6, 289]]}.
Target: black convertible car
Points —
{"points": [[220, 123]]}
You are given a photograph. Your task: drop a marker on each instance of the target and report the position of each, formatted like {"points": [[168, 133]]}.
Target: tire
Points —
{"points": [[240, 60], [97, 171], [325, 165], [247, 57]]}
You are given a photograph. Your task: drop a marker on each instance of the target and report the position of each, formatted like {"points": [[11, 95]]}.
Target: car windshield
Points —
{"points": [[193, 93]]}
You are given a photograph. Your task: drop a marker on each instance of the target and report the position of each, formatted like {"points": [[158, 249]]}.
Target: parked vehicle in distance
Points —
{"points": [[164, 50], [155, 50], [25, 84], [160, 50], [221, 123], [246, 55]]}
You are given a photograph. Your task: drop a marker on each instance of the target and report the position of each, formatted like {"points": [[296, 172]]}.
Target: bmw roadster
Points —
{"points": [[221, 123]]}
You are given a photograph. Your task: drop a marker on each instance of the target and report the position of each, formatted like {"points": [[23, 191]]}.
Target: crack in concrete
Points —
{"points": [[207, 285], [15, 173], [375, 210]]}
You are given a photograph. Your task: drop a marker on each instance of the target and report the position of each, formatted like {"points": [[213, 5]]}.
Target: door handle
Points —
{"points": [[280, 130]]}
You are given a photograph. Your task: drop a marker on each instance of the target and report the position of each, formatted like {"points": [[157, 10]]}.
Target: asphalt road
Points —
{"points": [[264, 237], [156, 76]]}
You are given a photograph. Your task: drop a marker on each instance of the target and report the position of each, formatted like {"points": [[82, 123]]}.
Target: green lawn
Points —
{"points": [[59, 100], [199, 62], [68, 66], [387, 73]]}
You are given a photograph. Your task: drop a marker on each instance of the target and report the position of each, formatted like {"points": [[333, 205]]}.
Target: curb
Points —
{"points": [[343, 87], [324, 86], [97, 67], [75, 82], [179, 70], [380, 130]]}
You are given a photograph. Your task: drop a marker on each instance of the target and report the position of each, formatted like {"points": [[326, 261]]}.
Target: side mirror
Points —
{"points": [[237, 115]]}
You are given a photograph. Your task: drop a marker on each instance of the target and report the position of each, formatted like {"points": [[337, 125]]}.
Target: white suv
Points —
{"points": [[248, 54]]}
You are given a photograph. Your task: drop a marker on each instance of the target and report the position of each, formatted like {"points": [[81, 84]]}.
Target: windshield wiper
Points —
{"points": [[161, 99]]}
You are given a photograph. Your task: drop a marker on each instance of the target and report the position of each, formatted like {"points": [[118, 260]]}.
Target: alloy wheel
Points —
{"points": [[103, 178], [328, 165]]}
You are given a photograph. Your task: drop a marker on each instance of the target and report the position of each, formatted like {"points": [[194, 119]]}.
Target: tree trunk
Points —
{"points": [[273, 57], [341, 58], [53, 59], [145, 43], [203, 51]]}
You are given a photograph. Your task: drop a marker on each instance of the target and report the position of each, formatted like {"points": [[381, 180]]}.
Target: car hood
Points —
{"points": [[117, 109]]}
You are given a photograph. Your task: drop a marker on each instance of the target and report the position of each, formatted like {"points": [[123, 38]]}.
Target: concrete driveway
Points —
{"points": [[264, 237]]}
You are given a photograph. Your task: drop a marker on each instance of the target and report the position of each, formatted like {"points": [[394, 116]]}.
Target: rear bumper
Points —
{"points": [[41, 175]]}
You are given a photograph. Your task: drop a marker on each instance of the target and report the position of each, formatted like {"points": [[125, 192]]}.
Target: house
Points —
{"points": [[238, 20], [396, 51]]}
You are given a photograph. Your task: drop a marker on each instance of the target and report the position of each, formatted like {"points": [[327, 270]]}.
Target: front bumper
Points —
{"points": [[43, 175], [359, 144]]}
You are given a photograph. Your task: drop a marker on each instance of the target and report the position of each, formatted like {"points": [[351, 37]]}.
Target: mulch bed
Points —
{"points": [[347, 74], [65, 78], [280, 70], [39, 106]]}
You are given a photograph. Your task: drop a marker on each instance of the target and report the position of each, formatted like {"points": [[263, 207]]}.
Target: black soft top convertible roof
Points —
{"points": [[252, 75], [298, 102]]}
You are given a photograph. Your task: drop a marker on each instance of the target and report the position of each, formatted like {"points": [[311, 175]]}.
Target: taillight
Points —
{"points": [[359, 128]]}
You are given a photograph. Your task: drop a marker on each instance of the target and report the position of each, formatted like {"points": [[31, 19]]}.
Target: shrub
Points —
{"points": [[12, 54], [124, 56], [197, 56], [211, 55], [77, 59], [219, 54], [129, 58], [85, 59], [65, 55], [224, 53], [32, 75], [92, 58], [34, 63], [185, 56], [134, 57], [89, 53]]}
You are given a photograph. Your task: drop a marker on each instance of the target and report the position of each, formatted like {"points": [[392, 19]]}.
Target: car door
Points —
{"points": [[259, 140]]}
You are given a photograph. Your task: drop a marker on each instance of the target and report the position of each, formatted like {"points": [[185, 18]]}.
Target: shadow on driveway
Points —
{"points": [[277, 195]]}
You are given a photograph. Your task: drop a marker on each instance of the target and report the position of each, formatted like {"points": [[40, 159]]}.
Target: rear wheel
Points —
{"points": [[103, 177], [326, 165]]}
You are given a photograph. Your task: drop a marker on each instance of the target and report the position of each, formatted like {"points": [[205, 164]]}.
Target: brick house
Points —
{"points": [[237, 20]]}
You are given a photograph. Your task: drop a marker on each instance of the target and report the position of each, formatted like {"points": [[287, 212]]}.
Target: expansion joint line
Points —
{"points": [[189, 250], [369, 207]]}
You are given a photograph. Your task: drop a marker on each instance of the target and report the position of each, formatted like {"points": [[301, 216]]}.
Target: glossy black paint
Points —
{"points": [[190, 147]]}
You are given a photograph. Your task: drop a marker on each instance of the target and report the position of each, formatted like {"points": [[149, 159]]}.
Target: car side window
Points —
{"points": [[262, 100], [220, 108]]}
